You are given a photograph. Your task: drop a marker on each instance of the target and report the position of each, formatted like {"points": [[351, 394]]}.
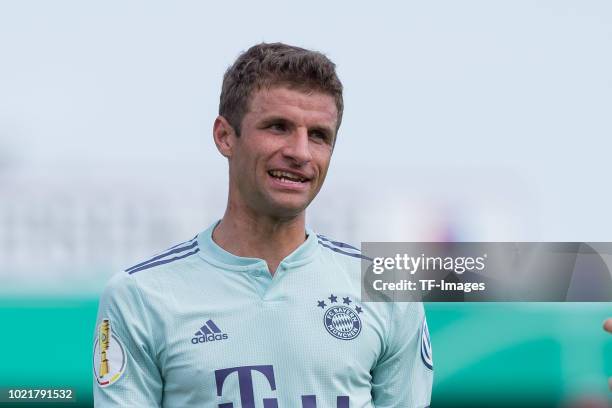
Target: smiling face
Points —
{"points": [[280, 160]]}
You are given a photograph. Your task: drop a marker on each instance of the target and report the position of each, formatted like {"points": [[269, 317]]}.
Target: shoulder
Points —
{"points": [[172, 257], [342, 256], [344, 260], [152, 277]]}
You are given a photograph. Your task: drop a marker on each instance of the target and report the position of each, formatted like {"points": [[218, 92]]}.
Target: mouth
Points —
{"points": [[288, 177]]}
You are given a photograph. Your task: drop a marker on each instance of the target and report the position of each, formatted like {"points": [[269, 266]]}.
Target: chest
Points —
{"points": [[283, 340]]}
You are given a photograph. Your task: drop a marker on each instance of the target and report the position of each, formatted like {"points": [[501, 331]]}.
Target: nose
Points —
{"points": [[298, 147]]}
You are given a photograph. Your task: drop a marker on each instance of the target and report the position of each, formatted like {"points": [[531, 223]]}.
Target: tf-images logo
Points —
{"points": [[209, 332]]}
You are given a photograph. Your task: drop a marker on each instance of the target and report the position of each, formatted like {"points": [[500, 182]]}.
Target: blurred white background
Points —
{"points": [[473, 120]]}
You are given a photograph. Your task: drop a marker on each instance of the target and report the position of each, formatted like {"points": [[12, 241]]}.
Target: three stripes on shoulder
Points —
{"points": [[180, 251], [340, 247]]}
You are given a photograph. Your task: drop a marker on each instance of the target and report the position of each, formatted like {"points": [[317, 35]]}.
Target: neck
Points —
{"points": [[245, 234]]}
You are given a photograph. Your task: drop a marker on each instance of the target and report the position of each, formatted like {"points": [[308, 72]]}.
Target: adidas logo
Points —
{"points": [[209, 332]]}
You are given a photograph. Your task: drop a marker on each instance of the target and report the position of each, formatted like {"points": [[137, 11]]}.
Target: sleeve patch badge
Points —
{"points": [[108, 356], [426, 354]]}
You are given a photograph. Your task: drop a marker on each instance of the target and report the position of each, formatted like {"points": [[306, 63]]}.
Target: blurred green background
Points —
{"points": [[506, 354]]}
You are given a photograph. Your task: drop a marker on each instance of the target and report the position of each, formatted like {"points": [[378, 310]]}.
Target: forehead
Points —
{"points": [[294, 104]]}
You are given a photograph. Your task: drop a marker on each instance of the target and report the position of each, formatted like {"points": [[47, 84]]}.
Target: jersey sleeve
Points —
{"points": [[403, 375], [125, 369]]}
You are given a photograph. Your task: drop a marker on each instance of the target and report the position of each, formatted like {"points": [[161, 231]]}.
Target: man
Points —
{"points": [[258, 310]]}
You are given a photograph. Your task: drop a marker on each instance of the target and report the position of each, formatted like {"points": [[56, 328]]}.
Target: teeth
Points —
{"points": [[286, 176]]}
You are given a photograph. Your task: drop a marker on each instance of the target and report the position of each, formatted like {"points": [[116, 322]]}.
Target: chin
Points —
{"points": [[285, 209]]}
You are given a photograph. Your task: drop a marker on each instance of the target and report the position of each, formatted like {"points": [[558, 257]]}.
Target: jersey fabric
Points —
{"points": [[197, 326]]}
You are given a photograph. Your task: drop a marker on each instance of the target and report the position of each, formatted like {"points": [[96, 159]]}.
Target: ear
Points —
{"points": [[224, 136]]}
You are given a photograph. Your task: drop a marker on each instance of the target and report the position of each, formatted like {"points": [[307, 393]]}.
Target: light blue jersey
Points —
{"points": [[199, 327]]}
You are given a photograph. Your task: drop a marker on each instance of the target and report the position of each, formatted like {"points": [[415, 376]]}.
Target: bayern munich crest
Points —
{"points": [[341, 320]]}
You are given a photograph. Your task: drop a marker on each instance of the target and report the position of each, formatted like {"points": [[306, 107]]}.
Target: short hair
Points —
{"points": [[267, 65]]}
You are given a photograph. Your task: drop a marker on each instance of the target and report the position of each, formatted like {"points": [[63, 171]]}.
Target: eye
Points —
{"points": [[319, 135], [277, 127]]}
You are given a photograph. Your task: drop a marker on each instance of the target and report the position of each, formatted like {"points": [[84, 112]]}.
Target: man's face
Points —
{"points": [[280, 160]]}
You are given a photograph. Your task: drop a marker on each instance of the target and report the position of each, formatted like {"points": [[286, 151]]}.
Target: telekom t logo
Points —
{"points": [[247, 396]]}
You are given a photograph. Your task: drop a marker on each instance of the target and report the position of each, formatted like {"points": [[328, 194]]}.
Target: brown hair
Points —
{"points": [[266, 65]]}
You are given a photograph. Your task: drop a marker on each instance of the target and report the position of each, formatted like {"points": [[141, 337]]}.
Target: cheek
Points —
{"points": [[252, 161], [242, 168], [323, 159]]}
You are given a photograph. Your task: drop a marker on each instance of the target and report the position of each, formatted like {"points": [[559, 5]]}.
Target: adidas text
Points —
{"points": [[210, 337]]}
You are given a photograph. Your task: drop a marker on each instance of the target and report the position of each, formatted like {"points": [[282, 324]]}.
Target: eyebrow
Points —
{"points": [[280, 119], [274, 119]]}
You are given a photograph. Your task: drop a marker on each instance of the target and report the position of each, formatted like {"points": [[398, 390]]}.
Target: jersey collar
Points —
{"points": [[211, 252]]}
